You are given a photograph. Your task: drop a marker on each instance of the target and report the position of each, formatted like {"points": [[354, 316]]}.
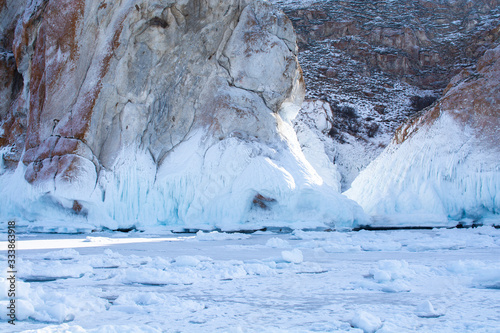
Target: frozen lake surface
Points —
{"points": [[444, 280]]}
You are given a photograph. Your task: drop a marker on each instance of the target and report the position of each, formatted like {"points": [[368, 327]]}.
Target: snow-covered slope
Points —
{"points": [[234, 184], [377, 63], [443, 166]]}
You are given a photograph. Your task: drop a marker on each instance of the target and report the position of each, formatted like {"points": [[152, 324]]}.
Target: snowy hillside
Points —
{"points": [[377, 63], [444, 164], [190, 115], [437, 175]]}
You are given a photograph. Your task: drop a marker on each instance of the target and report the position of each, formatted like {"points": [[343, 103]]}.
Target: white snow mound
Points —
{"points": [[366, 321]]}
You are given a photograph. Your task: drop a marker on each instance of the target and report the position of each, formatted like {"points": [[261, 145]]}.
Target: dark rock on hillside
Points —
{"points": [[424, 43]]}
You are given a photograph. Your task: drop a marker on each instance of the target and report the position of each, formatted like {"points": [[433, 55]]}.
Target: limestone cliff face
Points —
{"points": [[443, 164], [104, 82], [101, 77]]}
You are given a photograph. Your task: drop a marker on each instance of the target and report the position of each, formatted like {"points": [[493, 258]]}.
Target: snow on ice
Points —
{"points": [[366, 321], [303, 281]]}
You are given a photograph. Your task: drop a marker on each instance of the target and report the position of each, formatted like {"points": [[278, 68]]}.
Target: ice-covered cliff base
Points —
{"points": [[440, 177], [234, 184]]}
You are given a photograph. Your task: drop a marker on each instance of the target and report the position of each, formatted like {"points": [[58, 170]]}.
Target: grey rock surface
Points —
{"points": [[113, 75]]}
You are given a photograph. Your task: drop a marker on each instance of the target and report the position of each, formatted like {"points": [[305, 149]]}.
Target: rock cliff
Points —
{"points": [[443, 165], [156, 112]]}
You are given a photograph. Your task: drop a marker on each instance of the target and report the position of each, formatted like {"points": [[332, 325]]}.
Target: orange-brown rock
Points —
{"points": [[472, 98]]}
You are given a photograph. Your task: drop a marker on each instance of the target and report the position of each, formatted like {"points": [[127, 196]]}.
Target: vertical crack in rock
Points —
{"points": [[173, 112]]}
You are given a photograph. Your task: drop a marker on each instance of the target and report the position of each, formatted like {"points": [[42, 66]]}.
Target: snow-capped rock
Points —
{"points": [[443, 166], [164, 112]]}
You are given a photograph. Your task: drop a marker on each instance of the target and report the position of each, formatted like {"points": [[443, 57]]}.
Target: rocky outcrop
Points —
{"points": [[423, 42], [444, 164], [92, 87], [12, 114], [116, 94]]}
